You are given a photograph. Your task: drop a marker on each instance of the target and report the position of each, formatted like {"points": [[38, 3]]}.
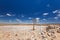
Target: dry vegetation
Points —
{"points": [[51, 32]]}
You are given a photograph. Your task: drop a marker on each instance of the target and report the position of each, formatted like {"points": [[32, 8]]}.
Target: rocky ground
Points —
{"points": [[47, 33]]}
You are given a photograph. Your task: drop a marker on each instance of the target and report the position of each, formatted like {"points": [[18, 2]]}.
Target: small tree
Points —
{"points": [[34, 22]]}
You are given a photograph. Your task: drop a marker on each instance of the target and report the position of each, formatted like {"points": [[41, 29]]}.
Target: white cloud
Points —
{"points": [[18, 20], [37, 19], [23, 22], [29, 18], [45, 14], [58, 15], [59, 11], [56, 18], [44, 19], [56, 11], [8, 14]]}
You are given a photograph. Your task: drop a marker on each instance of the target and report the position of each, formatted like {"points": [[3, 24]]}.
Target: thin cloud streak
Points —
{"points": [[45, 14]]}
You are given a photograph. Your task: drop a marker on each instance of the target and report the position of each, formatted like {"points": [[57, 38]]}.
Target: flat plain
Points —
{"points": [[26, 32]]}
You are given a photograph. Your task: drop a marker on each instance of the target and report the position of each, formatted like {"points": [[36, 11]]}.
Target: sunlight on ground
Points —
{"points": [[27, 33]]}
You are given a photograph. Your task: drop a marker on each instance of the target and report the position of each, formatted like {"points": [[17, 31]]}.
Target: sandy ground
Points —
{"points": [[26, 33]]}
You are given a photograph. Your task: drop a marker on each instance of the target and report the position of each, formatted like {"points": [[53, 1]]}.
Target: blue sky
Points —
{"points": [[23, 11]]}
